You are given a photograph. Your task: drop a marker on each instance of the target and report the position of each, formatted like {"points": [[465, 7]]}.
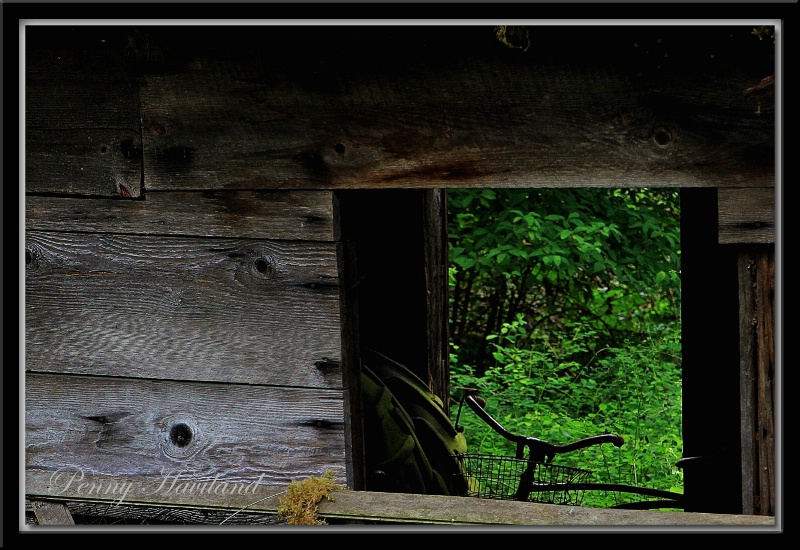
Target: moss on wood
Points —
{"points": [[300, 504]]}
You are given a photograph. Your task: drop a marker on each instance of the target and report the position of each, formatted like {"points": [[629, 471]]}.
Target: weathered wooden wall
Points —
{"points": [[332, 107], [179, 303], [157, 302], [183, 247]]}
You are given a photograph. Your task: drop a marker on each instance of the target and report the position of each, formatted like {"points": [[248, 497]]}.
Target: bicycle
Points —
{"points": [[536, 479]]}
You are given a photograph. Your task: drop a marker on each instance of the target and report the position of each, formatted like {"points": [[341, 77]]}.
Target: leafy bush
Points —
{"points": [[606, 259], [576, 301]]}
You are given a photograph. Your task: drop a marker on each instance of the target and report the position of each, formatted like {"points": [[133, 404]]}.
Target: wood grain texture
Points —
{"points": [[437, 107], [403, 508], [288, 215], [451, 107], [226, 310], [52, 513], [748, 381], [148, 430], [406, 511], [757, 371], [746, 215], [766, 381], [82, 116], [113, 513], [434, 215], [351, 344], [84, 161]]}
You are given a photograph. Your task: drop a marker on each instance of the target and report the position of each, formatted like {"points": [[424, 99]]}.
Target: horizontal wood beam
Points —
{"points": [[409, 510], [501, 119], [377, 107], [401, 508], [285, 215]]}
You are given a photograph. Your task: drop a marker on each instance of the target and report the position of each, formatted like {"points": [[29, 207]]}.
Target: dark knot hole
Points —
{"points": [[662, 137], [180, 435]]}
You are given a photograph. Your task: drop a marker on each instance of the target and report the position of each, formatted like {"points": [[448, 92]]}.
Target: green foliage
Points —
{"points": [[565, 315], [562, 258]]}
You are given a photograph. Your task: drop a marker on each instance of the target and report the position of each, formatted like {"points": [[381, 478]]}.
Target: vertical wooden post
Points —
{"points": [[434, 215], [757, 369], [351, 357]]}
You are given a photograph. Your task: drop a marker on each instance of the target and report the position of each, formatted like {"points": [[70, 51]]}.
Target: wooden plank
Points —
{"points": [[765, 388], [177, 431], [351, 340], [292, 215], [82, 116], [102, 514], [52, 513], [747, 385], [403, 509], [451, 107], [173, 489], [84, 161], [746, 216], [756, 268], [226, 310]]}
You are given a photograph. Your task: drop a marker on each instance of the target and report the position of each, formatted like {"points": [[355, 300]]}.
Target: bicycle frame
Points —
{"points": [[541, 454]]}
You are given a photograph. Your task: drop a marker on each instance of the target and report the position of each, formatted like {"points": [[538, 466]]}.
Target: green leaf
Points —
{"points": [[465, 263]]}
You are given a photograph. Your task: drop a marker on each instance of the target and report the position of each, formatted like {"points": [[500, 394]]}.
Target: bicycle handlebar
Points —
{"points": [[540, 451]]}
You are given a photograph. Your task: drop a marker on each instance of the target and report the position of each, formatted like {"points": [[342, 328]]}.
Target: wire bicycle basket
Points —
{"points": [[534, 478], [509, 478]]}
